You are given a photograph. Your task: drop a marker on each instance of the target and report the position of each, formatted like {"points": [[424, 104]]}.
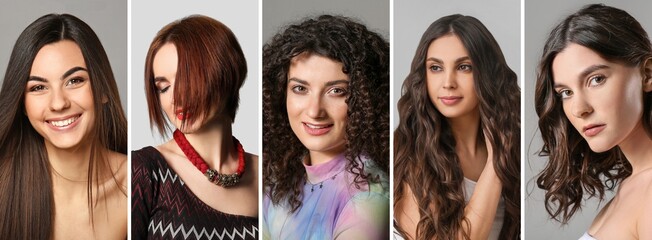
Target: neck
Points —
{"points": [[214, 143], [465, 131], [637, 148], [69, 164], [319, 157]]}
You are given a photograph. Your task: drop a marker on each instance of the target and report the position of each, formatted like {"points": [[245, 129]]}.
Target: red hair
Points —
{"points": [[210, 71]]}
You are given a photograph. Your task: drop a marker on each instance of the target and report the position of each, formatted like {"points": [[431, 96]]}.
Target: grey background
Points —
{"points": [[148, 17], [279, 13], [412, 18], [107, 18], [540, 18]]}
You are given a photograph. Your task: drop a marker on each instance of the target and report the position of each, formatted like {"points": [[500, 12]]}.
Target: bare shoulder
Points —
{"points": [[119, 164]]}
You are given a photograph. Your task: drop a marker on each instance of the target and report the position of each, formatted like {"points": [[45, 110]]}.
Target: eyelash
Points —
{"points": [[299, 89], [75, 81], [163, 90], [461, 67], [37, 88], [593, 81]]}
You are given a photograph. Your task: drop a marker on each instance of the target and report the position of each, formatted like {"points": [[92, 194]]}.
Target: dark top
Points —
{"points": [[163, 207]]}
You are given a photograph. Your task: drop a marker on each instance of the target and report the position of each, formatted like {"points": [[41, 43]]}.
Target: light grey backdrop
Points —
{"points": [[540, 18], [107, 18], [148, 17], [412, 18], [279, 13]]}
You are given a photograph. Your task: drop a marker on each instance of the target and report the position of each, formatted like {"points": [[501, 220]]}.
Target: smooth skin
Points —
{"points": [[449, 74], [316, 93], [204, 135], [595, 91], [59, 105]]}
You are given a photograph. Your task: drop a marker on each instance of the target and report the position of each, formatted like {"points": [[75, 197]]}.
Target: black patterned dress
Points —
{"points": [[163, 207]]}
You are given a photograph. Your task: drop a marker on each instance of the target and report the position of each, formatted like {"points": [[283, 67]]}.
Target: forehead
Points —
{"points": [[314, 67], [54, 59], [165, 61], [573, 60], [447, 46]]}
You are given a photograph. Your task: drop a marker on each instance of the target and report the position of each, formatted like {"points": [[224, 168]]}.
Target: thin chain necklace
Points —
{"points": [[220, 179], [313, 186]]}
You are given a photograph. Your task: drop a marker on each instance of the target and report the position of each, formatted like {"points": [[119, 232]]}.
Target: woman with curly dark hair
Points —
{"points": [[456, 149], [326, 132], [593, 96]]}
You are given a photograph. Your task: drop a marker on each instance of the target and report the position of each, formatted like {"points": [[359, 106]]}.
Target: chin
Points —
{"points": [[600, 147]]}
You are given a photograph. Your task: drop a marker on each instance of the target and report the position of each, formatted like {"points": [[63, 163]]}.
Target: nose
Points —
{"points": [[59, 100], [580, 108], [315, 107], [450, 80]]}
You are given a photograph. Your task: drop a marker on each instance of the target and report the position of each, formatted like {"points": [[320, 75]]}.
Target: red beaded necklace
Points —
{"points": [[224, 180]]}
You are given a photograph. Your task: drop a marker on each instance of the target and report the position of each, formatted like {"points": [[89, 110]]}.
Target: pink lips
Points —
{"points": [[317, 129], [450, 100], [593, 129], [63, 123]]}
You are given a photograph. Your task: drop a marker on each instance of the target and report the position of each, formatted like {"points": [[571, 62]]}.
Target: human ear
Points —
{"points": [[647, 75]]}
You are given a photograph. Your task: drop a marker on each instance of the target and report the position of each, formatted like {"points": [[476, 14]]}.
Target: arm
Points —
{"points": [[481, 209], [142, 195], [364, 217]]}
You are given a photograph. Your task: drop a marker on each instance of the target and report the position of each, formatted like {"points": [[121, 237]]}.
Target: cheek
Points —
{"points": [[293, 105], [432, 84], [33, 107]]}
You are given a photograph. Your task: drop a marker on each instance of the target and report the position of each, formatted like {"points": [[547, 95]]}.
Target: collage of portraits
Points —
{"points": [[365, 119]]}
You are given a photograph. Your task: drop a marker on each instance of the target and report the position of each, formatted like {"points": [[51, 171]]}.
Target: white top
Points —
{"points": [[469, 187], [587, 236]]}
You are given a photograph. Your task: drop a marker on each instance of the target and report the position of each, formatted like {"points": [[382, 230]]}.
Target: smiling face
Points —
{"points": [[165, 71], [449, 75], [58, 96], [602, 100], [316, 93]]}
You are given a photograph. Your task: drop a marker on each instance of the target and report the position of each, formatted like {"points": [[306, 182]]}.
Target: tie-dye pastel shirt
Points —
{"points": [[332, 206]]}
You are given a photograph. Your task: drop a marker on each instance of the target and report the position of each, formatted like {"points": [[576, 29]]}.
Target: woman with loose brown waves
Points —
{"points": [[593, 98], [63, 137], [326, 131], [459, 123], [201, 182]]}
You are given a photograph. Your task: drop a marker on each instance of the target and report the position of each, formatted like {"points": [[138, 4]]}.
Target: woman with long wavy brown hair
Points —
{"points": [[593, 98], [326, 132], [456, 149]]}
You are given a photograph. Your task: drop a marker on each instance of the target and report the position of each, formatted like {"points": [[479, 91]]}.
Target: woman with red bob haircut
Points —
{"points": [[201, 183]]}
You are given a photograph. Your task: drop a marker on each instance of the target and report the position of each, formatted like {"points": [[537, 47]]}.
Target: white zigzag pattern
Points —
{"points": [[163, 177], [186, 233]]}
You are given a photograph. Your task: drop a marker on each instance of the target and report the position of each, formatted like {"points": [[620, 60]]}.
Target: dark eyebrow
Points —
{"points": [[585, 73], [304, 82], [328, 84], [335, 82], [64, 76], [157, 79], [36, 78], [71, 71], [437, 60]]}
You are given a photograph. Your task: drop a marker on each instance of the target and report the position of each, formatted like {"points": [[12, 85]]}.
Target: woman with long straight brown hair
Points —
{"points": [[63, 137], [456, 149], [201, 184], [594, 102]]}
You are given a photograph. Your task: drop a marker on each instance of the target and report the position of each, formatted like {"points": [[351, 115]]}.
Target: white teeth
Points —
{"points": [[64, 123], [315, 127]]}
